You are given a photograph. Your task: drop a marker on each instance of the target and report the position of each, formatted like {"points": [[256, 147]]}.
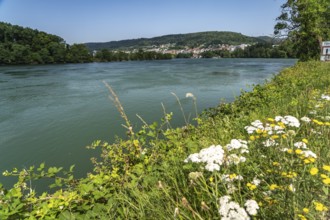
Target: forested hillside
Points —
{"points": [[19, 45], [181, 40]]}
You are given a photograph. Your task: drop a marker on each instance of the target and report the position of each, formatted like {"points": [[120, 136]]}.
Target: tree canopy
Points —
{"points": [[19, 45], [306, 23]]}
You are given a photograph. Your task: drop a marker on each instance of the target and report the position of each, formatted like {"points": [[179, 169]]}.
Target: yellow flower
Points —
{"points": [[232, 176], [324, 176], [327, 123], [309, 160], [270, 120], [302, 217], [281, 124], [305, 141], [326, 167], [320, 207], [252, 138], [273, 187], [275, 137], [306, 210], [314, 171], [289, 151], [211, 179], [259, 131], [326, 181], [298, 151], [276, 163], [251, 186]]}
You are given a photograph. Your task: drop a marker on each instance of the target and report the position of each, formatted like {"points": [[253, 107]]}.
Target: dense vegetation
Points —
{"points": [[272, 162], [20, 45], [306, 24], [181, 40], [106, 55], [259, 50]]}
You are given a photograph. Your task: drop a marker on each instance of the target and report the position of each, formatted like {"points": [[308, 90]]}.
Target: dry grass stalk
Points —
{"points": [[114, 98]]}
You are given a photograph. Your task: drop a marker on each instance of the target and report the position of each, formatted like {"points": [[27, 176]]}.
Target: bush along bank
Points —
{"points": [[264, 156]]}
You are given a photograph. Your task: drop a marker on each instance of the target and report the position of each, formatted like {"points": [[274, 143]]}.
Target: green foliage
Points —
{"points": [[106, 55], [306, 23], [180, 40], [20, 45], [145, 177]]}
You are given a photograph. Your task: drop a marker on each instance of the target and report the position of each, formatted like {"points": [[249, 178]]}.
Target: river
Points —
{"points": [[50, 113]]}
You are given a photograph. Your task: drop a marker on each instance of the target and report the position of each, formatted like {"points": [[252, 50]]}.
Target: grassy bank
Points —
{"points": [[264, 156]]}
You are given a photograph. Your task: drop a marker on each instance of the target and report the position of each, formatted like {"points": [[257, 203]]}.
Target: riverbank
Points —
{"points": [[268, 166]]}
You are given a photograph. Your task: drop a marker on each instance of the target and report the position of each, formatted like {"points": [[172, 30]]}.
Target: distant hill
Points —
{"points": [[182, 40]]}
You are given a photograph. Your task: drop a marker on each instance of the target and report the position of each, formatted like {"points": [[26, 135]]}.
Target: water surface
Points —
{"points": [[50, 113]]}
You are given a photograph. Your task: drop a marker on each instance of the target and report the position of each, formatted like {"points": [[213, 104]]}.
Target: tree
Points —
{"points": [[305, 23]]}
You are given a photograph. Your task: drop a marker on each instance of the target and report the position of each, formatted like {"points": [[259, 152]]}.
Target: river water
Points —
{"points": [[50, 113]]}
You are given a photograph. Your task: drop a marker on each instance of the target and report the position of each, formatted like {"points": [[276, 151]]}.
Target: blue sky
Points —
{"points": [[80, 21]]}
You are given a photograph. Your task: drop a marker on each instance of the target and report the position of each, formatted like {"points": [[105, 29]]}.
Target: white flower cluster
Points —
{"points": [[251, 207], [288, 120], [325, 97], [258, 126], [230, 210], [306, 119], [305, 151], [238, 144], [214, 156]]}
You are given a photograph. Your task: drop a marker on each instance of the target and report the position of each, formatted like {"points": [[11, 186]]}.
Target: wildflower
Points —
{"points": [[308, 153], [234, 159], [309, 160], [326, 167], [292, 121], [276, 163], [305, 140], [325, 97], [251, 186], [189, 95], [313, 171], [256, 181], [326, 181], [288, 120], [236, 144], [323, 176], [318, 122], [306, 210], [302, 217], [213, 156], [298, 151], [300, 145], [269, 143], [251, 207], [231, 210], [273, 187], [289, 151], [320, 207], [252, 138], [270, 120], [305, 119], [291, 188], [275, 137]]}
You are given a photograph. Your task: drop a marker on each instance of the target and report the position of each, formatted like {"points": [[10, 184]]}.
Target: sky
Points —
{"points": [[82, 21]]}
